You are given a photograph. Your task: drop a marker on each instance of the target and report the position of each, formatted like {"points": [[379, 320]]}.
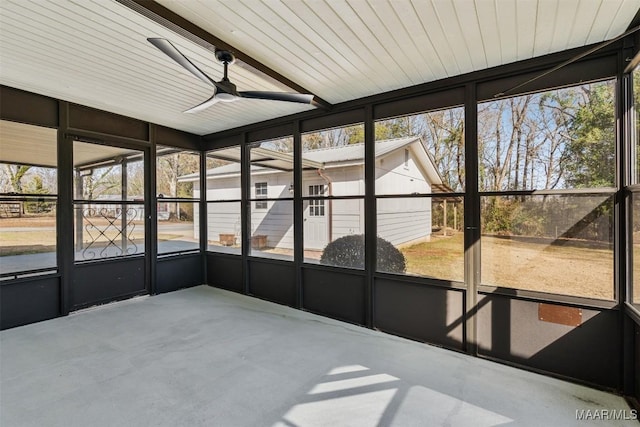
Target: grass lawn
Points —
{"points": [[27, 242], [442, 257]]}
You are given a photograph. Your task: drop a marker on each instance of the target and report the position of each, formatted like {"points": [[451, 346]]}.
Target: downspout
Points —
{"points": [[330, 202]]}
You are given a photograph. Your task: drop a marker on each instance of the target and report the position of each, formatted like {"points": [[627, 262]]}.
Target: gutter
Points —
{"points": [[329, 202]]}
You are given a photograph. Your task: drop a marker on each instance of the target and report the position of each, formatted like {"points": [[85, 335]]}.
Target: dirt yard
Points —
{"points": [[567, 270], [28, 221]]}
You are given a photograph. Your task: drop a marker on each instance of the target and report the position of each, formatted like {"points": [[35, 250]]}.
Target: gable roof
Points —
{"points": [[355, 152], [323, 158]]}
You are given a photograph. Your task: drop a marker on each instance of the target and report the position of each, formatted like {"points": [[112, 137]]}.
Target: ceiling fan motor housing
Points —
{"points": [[225, 56]]}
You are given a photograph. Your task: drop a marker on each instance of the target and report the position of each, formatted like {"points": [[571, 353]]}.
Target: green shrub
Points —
{"points": [[348, 251], [389, 258]]}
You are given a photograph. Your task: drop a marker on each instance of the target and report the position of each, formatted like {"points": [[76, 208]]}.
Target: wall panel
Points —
{"points": [[512, 330], [224, 271], [106, 281], [273, 281], [420, 312], [28, 301], [335, 294], [178, 272]]}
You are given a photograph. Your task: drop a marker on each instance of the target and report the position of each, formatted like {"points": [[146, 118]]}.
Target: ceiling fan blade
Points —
{"points": [[206, 104], [172, 52], [279, 96]]}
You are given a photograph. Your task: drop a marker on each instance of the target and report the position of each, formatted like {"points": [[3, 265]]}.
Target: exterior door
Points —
{"points": [[316, 218]]}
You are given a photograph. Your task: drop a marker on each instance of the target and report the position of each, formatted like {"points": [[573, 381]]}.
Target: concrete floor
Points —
{"points": [[206, 357]]}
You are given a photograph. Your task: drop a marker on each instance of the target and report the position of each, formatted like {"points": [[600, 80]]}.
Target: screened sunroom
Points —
{"points": [[319, 212]]}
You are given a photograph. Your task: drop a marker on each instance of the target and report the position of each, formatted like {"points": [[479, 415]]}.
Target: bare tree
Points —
{"points": [[170, 168], [16, 173], [103, 181]]}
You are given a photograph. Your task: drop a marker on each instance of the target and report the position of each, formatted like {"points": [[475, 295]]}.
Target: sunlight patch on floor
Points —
{"points": [[435, 408], [365, 399], [347, 369], [351, 383], [363, 409]]}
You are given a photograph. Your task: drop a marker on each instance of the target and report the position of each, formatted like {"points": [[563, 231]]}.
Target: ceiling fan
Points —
{"points": [[224, 90]]}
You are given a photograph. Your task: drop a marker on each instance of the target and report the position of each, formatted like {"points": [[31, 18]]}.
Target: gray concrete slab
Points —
{"points": [[207, 357]]}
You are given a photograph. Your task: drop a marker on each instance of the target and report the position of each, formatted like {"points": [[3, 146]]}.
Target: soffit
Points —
{"points": [[27, 144]]}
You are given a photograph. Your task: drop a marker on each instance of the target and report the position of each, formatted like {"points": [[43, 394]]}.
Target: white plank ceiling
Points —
{"points": [[94, 52]]}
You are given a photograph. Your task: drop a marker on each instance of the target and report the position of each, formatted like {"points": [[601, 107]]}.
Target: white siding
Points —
{"points": [[348, 217], [399, 220], [275, 222], [222, 218], [404, 220], [345, 181], [392, 177], [223, 189]]}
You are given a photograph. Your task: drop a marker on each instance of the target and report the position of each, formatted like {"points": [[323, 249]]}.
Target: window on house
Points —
{"points": [[316, 206], [406, 158], [261, 193]]}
